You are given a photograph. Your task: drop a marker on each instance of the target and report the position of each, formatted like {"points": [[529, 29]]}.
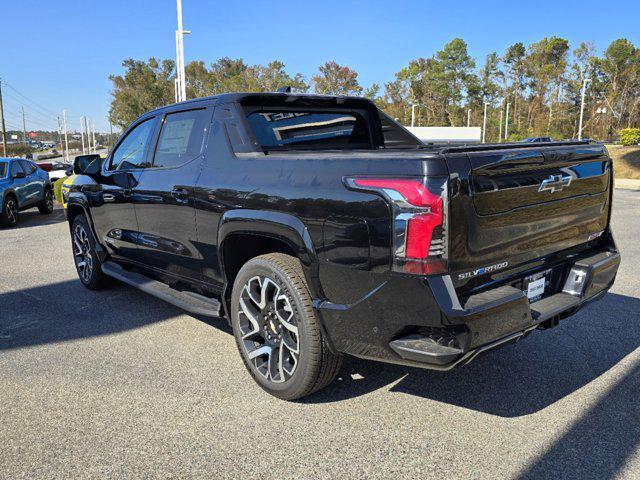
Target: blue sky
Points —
{"points": [[60, 54]]}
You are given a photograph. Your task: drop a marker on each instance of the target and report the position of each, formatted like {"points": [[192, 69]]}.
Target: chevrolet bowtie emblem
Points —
{"points": [[554, 183]]}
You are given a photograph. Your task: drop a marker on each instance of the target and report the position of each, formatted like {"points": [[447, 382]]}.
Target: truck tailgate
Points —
{"points": [[518, 205]]}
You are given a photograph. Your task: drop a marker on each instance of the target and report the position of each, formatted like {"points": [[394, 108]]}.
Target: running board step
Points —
{"points": [[554, 305], [421, 348], [189, 301]]}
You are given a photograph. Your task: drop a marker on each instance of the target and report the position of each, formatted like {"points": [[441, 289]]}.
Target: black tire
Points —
{"points": [[315, 366], [46, 206], [9, 216], [87, 263]]}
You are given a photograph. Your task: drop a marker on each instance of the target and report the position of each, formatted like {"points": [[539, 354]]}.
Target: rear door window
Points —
{"points": [[28, 167], [3, 169], [15, 168], [316, 130], [181, 138]]}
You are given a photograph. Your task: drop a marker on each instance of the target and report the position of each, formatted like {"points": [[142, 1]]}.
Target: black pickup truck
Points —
{"points": [[319, 227]]}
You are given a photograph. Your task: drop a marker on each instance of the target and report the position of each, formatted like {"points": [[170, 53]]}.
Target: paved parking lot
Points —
{"points": [[117, 383]]}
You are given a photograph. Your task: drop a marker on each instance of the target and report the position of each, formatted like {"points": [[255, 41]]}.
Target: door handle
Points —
{"points": [[180, 194], [108, 198]]}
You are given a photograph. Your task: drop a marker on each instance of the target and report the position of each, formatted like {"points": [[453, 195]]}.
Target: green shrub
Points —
{"points": [[630, 136], [57, 189], [18, 150]]}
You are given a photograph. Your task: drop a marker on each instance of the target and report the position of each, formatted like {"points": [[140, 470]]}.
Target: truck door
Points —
{"points": [[112, 208], [164, 195]]}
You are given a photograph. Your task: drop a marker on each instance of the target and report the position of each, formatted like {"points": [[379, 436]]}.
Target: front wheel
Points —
{"points": [[9, 216], [88, 264], [276, 329]]}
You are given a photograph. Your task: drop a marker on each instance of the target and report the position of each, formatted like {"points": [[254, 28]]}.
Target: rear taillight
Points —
{"points": [[419, 220]]}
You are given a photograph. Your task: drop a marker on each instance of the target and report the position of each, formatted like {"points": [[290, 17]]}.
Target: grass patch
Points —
{"points": [[626, 161]]}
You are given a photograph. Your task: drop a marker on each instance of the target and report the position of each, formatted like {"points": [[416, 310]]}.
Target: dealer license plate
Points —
{"points": [[536, 285]]}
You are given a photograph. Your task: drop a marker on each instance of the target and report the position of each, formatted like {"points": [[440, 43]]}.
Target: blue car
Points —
{"points": [[23, 185]]}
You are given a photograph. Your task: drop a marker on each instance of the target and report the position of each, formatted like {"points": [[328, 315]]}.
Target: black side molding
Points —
{"points": [[189, 301]]}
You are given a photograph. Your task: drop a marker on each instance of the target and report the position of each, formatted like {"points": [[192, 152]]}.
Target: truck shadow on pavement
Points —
{"points": [[518, 379], [64, 311]]}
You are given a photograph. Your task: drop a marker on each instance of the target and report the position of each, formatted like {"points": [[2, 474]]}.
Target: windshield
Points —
{"points": [[3, 169]]}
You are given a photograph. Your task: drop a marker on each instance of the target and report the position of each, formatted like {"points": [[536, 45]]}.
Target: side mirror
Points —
{"points": [[20, 175], [69, 171], [87, 164]]}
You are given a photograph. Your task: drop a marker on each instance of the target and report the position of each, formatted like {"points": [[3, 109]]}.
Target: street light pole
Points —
{"points": [[66, 142], [469, 118], [484, 122], [584, 89], [82, 134], [181, 86], [413, 114], [501, 117], [506, 123]]}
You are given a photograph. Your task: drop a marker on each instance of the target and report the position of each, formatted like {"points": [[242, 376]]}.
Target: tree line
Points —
{"points": [[539, 84]]}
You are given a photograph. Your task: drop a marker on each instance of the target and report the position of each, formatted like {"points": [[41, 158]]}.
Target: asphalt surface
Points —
{"points": [[118, 384]]}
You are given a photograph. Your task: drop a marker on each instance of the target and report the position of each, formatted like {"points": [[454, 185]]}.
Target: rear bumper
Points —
{"points": [[460, 331]]}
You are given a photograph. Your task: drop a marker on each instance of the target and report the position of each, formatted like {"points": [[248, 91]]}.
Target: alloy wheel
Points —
{"points": [[82, 253], [48, 198], [268, 329], [12, 211]]}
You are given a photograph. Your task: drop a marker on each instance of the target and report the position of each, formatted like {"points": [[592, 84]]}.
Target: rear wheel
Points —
{"points": [[46, 206], [276, 329], [9, 215], [88, 264]]}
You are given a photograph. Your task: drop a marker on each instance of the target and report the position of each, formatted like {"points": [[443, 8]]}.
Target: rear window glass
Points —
{"points": [[3, 169], [181, 138], [287, 130]]}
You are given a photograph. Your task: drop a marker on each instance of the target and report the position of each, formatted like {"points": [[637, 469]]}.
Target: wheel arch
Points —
{"points": [[246, 234], [77, 205]]}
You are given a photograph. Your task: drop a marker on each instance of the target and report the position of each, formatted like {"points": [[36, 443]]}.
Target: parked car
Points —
{"points": [[58, 171], [537, 140], [319, 227], [23, 185]]}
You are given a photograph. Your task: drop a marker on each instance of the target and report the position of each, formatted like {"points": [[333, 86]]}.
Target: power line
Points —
{"points": [[30, 100]]}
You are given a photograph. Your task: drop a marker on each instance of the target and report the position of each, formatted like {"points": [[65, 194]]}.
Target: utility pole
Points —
{"points": [[413, 114], [93, 132], [60, 133], [484, 122], [111, 142], [66, 142], [24, 127], [180, 82], [584, 90], [506, 123], [469, 118], [500, 134], [4, 130], [82, 134]]}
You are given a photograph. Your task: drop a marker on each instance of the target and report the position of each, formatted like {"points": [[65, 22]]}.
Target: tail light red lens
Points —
{"points": [[419, 220]]}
